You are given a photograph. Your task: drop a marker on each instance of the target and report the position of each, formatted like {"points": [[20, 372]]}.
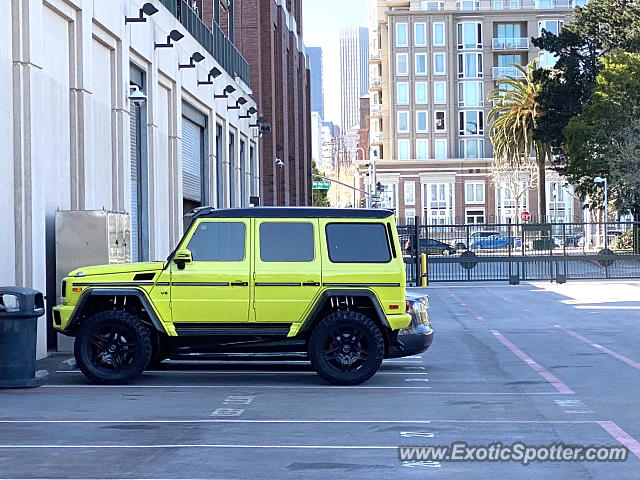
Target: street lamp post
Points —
{"points": [[603, 180]]}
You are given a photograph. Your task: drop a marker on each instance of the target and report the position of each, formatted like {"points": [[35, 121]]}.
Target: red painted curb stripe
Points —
{"points": [[543, 372]]}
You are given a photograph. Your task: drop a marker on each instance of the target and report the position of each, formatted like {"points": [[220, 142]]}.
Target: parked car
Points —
{"points": [[327, 282], [480, 238], [494, 241], [417, 337], [430, 247]]}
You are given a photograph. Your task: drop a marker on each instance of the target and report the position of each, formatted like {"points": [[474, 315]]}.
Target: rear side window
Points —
{"points": [[218, 242], [286, 242], [358, 243]]}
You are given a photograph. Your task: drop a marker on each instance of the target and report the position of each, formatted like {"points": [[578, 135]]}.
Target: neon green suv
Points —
{"points": [[327, 282]]}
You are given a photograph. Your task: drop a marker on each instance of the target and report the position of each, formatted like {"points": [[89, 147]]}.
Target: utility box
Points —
{"points": [[85, 238]]}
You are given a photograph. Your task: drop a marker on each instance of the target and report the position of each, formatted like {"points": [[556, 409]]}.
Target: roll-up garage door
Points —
{"points": [[192, 152], [134, 123]]}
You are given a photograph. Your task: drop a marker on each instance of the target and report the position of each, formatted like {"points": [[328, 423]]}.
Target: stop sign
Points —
{"points": [[525, 216]]}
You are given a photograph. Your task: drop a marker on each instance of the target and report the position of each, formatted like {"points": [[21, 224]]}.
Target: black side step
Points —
{"points": [[226, 329]]}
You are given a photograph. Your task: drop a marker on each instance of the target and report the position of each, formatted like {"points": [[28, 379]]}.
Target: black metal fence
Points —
{"points": [[515, 252]]}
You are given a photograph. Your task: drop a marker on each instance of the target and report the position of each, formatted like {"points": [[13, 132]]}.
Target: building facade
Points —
{"points": [[269, 35], [317, 85], [75, 137], [432, 64], [354, 74]]}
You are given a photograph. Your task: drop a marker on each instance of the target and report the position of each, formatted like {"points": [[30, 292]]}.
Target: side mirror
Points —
{"points": [[182, 256]]}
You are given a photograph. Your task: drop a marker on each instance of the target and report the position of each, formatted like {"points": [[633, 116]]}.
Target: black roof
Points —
{"points": [[288, 212]]}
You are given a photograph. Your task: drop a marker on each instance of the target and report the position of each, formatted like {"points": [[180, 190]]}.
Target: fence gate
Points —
{"points": [[518, 252]]}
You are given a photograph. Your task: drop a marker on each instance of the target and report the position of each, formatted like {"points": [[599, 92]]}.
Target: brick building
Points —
{"points": [[268, 33]]}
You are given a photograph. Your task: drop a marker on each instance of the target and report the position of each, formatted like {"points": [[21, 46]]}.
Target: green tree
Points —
{"points": [[604, 139], [598, 29], [319, 198], [514, 114]]}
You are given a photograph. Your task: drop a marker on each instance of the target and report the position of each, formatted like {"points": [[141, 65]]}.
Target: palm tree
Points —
{"points": [[514, 115]]}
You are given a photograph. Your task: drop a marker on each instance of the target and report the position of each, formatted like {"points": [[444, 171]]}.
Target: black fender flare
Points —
{"points": [[114, 292], [306, 324]]}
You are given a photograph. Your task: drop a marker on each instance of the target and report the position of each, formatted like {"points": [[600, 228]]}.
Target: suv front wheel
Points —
{"points": [[346, 348], [112, 347]]}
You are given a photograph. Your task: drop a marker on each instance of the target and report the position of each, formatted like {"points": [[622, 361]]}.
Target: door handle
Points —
{"points": [[239, 284], [310, 284]]}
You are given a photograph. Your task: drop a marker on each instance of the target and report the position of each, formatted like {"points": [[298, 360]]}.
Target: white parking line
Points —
{"points": [[204, 445], [203, 420], [246, 387], [244, 372]]}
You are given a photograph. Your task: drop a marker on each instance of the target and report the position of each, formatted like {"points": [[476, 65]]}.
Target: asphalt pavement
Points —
{"points": [[539, 363]]}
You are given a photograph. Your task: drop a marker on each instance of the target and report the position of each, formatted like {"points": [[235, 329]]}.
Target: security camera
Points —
{"points": [[136, 96], [279, 163], [265, 127]]}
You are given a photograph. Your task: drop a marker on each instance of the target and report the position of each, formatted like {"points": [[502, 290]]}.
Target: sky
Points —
{"points": [[321, 21]]}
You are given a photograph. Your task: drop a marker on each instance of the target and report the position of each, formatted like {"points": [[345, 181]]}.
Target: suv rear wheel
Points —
{"points": [[346, 348], [112, 347]]}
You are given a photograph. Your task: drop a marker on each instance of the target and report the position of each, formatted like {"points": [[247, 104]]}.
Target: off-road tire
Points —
{"points": [[373, 345], [127, 324]]}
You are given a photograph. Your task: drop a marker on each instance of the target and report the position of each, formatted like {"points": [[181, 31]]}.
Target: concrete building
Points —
{"points": [[354, 73], [269, 35], [316, 136], [317, 85], [432, 64], [72, 140]]}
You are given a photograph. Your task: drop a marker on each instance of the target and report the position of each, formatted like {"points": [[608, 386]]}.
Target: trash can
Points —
{"points": [[19, 311]]}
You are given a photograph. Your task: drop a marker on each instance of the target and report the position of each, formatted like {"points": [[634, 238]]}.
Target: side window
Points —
{"points": [[218, 242], [286, 242], [357, 243]]}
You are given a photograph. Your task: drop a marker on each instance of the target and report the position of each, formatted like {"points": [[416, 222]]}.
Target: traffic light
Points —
{"points": [[379, 187]]}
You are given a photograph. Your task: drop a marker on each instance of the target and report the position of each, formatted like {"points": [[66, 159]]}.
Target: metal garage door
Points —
{"points": [[192, 153], [134, 124]]}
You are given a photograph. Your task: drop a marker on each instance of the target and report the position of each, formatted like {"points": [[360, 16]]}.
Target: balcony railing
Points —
{"points": [[510, 71], [376, 138], [510, 43], [471, 5], [213, 40], [375, 82], [374, 55]]}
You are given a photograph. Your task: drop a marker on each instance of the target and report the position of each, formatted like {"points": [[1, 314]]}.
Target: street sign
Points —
{"points": [[525, 216], [321, 185]]}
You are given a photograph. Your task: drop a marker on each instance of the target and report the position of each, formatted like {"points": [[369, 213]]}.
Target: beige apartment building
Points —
{"points": [[432, 64]]}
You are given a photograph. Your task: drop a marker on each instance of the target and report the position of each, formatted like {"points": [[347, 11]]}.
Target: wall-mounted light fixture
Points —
{"points": [[279, 163], [225, 93], [213, 74], [174, 35], [197, 57], [279, 147], [292, 158], [240, 101], [250, 112], [147, 9]]}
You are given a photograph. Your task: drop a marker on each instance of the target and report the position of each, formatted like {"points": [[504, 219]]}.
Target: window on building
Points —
{"points": [[401, 35], [439, 64], [421, 121], [438, 203], [402, 92], [419, 34], [469, 35], [551, 26], [286, 242], [388, 195], [358, 243], [253, 173], [243, 174], [410, 216], [439, 92], [475, 217], [421, 92], [233, 177], [440, 148], [409, 193], [218, 242], [440, 121], [474, 192], [470, 94], [430, 5], [471, 148], [559, 202], [403, 149], [471, 122], [506, 204], [438, 34], [509, 36], [422, 149], [403, 122], [402, 64], [469, 65], [547, 59], [421, 63]]}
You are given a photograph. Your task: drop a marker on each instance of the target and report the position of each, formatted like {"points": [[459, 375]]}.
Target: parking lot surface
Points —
{"points": [[538, 363]]}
